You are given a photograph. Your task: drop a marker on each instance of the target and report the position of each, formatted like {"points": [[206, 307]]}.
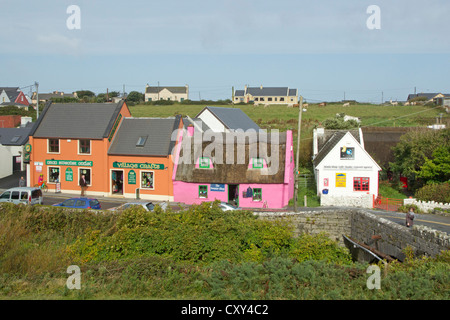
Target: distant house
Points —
{"points": [[45, 97], [266, 95], [12, 141], [437, 98], [221, 119], [166, 93], [345, 173], [13, 96]]}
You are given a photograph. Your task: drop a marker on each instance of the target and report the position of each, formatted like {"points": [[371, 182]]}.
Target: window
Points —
{"points": [[203, 162], [203, 191], [361, 184], [53, 174], [15, 195], [53, 145], [15, 139], [68, 203], [147, 180], [257, 163], [80, 203], [87, 175], [24, 195], [141, 141], [269, 99], [257, 194], [6, 195], [84, 146], [281, 99]]}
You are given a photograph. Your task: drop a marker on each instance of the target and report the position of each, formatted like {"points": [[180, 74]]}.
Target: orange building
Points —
{"points": [[75, 139]]}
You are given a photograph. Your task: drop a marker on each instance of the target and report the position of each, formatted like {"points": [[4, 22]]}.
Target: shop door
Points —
{"points": [[233, 194], [117, 182]]}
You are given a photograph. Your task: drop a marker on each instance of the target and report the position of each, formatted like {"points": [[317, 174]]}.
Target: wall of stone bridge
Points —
{"points": [[361, 226]]}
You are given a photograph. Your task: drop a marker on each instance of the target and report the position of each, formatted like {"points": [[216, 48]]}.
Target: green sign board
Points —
{"points": [[69, 163], [131, 177], [69, 174], [130, 165], [114, 128]]}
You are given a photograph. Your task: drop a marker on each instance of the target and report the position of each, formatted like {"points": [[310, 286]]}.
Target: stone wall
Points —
{"points": [[361, 201], [426, 206], [361, 226]]}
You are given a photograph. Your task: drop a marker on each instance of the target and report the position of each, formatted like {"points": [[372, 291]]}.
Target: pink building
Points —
{"points": [[250, 169]]}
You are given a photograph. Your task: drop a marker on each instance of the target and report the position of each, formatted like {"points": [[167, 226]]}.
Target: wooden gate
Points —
{"points": [[388, 204]]}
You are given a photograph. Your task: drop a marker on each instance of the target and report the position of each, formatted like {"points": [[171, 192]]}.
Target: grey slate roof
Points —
{"points": [[232, 118], [171, 89], [15, 136], [77, 120], [158, 132], [330, 142], [12, 93], [239, 93]]}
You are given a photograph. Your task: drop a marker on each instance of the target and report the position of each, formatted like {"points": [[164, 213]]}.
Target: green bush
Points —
{"points": [[434, 192]]}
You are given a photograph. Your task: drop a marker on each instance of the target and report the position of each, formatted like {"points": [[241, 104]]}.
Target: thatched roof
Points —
{"points": [[231, 160]]}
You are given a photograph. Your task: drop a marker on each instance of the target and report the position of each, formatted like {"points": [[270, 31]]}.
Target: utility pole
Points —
{"points": [[300, 110], [382, 97], [36, 84]]}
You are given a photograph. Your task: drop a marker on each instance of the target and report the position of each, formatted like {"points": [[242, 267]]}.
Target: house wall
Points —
{"points": [[6, 161], [273, 195], [68, 150], [212, 122], [165, 94], [162, 178], [4, 97], [337, 176]]}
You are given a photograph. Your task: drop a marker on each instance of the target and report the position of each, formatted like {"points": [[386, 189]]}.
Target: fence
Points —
{"points": [[388, 204]]}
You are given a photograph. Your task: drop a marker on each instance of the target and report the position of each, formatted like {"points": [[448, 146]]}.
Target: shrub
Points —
{"points": [[434, 192]]}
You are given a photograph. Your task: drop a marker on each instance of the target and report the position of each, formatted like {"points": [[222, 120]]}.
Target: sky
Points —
{"points": [[327, 49]]}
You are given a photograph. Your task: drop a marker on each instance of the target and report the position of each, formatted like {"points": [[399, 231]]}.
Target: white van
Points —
{"points": [[25, 195]]}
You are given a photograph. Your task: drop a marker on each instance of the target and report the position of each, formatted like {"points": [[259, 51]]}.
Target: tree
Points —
{"points": [[423, 154], [135, 96]]}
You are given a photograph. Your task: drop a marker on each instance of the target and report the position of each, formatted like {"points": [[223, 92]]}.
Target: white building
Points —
{"points": [[166, 93], [346, 175]]}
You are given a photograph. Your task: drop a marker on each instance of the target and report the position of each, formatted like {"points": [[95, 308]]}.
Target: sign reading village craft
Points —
{"points": [[73, 163], [131, 165]]}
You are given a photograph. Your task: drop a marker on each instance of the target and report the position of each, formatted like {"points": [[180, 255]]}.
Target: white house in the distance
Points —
{"points": [[166, 93], [346, 175]]}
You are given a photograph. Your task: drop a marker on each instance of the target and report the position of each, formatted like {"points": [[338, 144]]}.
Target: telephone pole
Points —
{"points": [[300, 110], [36, 84]]}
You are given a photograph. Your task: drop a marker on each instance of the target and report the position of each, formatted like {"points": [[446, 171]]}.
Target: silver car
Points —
{"points": [[25, 195], [149, 206]]}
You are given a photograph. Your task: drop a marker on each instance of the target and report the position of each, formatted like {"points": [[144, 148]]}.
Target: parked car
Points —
{"points": [[149, 206], [80, 203], [25, 195], [228, 207]]}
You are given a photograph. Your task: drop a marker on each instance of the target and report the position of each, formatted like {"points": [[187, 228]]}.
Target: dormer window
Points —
{"points": [[257, 163], [204, 163]]}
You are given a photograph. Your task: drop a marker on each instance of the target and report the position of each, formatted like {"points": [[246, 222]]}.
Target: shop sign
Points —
{"points": [[347, 153], [340, 180], [130, 165], [73, 163], [69, 174], [218, 187], [131, 177], [114, 128]]}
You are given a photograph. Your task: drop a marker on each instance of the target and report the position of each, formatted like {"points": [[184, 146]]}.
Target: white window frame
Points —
{"points": [[140, 179], [90, 148], [48, 174], [79, 175]]}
